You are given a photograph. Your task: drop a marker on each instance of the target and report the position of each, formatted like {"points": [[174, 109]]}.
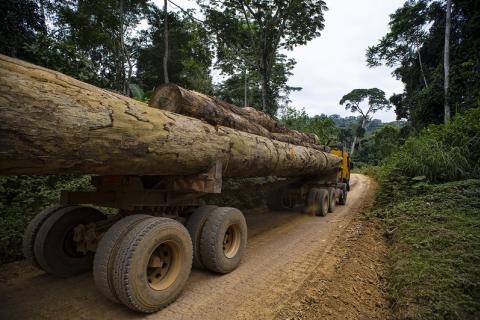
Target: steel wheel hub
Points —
{"points": [[163, 266]]}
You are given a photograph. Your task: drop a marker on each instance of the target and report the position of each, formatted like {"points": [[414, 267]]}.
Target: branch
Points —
{"points": [[186, 12], [246, 16], [244, 4]]}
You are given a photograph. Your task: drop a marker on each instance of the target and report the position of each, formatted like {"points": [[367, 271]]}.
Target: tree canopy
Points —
{"points": [[251, 33], [375, 101], [414, 45]]}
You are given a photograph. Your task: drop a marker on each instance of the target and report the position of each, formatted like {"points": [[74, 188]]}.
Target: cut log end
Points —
{"points": [[167, 97]]}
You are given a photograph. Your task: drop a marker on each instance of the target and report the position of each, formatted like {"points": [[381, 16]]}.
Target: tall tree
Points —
{"points": [[104, 31], [446, 59], [189, 51], [408, 32], [165, 40], [244, 86], [375, 101], [21, 22], [423, 103], [256, 30]]}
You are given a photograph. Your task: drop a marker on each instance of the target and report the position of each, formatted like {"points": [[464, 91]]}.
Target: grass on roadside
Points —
{"points": [[434, 257]]}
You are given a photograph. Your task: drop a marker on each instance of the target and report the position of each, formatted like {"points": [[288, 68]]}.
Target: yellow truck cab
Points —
{"points": [[344, 174]]}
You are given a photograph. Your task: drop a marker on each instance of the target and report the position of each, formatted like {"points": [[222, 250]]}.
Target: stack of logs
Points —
{"points": [[216, 112], [53, 124]]}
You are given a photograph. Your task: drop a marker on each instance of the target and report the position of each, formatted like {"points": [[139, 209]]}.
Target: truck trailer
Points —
{"points": [[154, 164]]}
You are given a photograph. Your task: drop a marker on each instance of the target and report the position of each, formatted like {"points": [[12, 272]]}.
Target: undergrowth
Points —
{"points": [[431, 209], [434, 258], [441, 152]]}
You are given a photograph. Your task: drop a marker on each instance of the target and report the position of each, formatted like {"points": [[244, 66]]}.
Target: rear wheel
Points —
{"points": [[223, 241], [152, 265], [54, 247], [317, 202], [32, 231], [343, 196], [194, 226], [332, 197], [103, 264]]}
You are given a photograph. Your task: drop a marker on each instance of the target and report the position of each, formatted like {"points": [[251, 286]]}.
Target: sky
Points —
{"points": [[332, 65]]}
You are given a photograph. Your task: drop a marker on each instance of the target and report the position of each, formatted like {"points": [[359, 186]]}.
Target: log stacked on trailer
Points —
{"points": [[216, 112], [53, 124]]}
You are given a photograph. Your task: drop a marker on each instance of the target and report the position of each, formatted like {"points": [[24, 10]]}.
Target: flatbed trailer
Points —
{"points": [[142, 256]]}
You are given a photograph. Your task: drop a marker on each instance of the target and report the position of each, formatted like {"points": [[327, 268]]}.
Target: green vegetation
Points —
{"points": [[414, 46], [21, 198], [434, 256], [251, 34], [353, 100], [433, 222], [442, 152], [429, 172]]}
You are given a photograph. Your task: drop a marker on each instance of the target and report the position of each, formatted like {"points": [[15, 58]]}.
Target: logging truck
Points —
{"points": [[153, 163]]}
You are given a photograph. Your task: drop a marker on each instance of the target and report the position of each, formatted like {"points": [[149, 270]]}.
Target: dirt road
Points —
{"points": [[284, 253]]}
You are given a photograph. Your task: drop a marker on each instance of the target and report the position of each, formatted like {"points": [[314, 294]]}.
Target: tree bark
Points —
{"points": [[216, 112], [264, 88], [352, 149], [245, 90], [123, 52], [355, 137], [421, 68], [446, 60], [53, 124], [165, 39]]}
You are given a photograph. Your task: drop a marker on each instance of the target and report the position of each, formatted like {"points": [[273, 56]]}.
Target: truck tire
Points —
{"points": [[223, 241], [317, 202], [103, 263], [194, 226], [31, 233], [54, 247], [153, 263], [343, 196], [332, 199]]}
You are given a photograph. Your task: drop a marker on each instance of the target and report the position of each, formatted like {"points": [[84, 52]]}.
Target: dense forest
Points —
{"points": [[427, 162]]}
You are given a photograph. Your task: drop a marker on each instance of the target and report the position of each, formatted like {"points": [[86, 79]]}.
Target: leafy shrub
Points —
{"points": [[442, 152]]}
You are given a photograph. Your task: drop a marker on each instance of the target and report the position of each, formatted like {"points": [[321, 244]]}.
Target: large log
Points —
{"points": [[174, 98], [53, 124]]}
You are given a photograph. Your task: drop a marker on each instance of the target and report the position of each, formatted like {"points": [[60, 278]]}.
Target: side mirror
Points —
{"points": [[351, 165]]}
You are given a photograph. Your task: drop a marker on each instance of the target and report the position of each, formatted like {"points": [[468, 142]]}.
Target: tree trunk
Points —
{"points": [[421, 68], [355, 137], [352, 149], [123, 58], [446, 62], [216, 112], [165, 39], [264, 88], [53, 124], [245, 92]]}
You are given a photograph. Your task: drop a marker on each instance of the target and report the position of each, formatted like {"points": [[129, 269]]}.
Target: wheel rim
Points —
{"points": [[164, 265], [231, 241]]}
